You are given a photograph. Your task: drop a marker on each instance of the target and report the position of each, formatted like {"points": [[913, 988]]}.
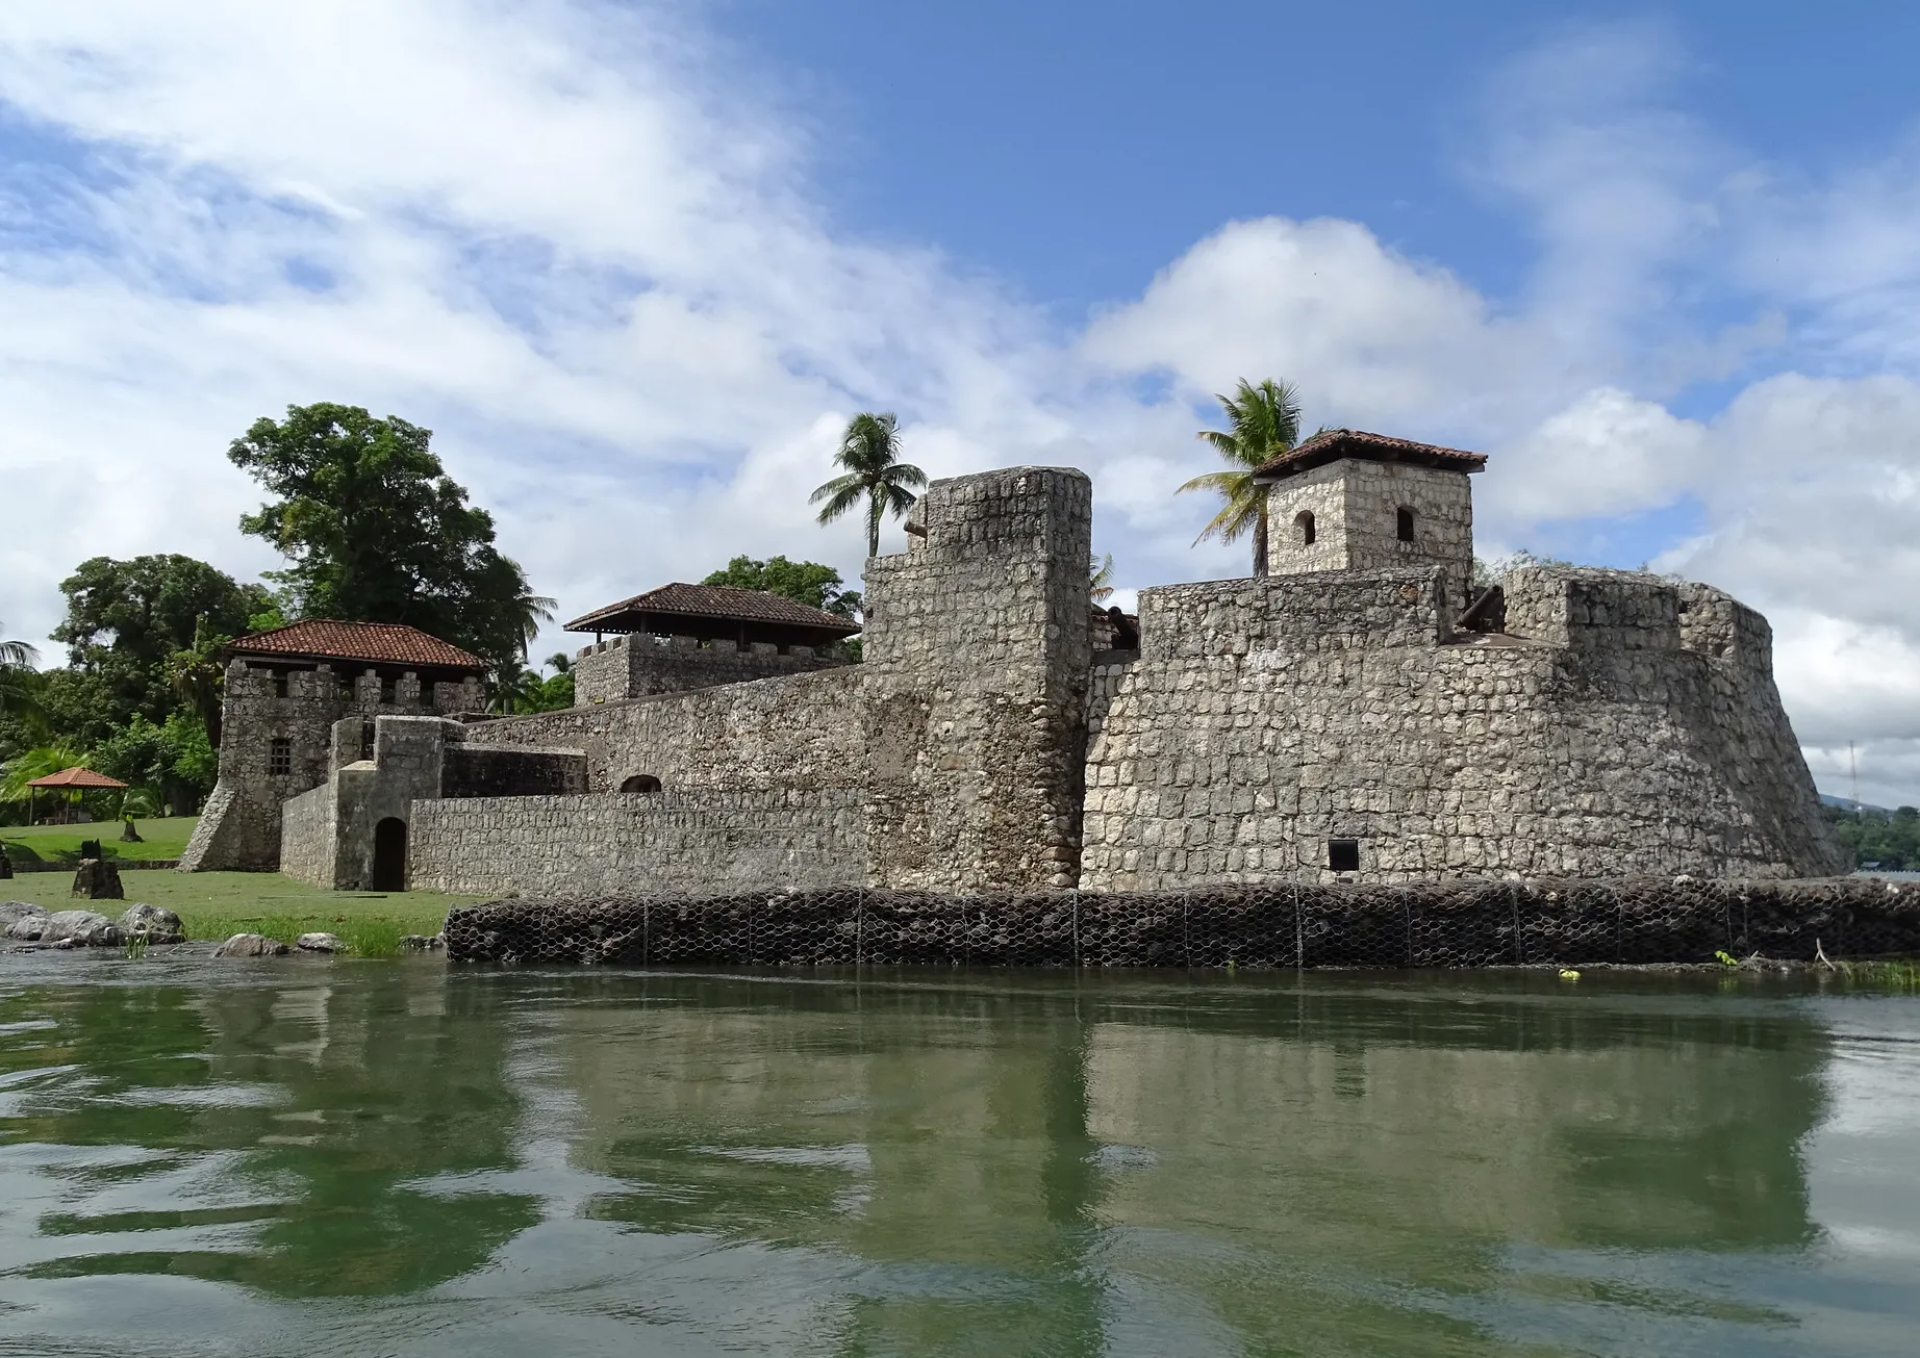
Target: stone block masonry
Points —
{"points": [[1271, 726], [276, 743], [964, 728], [1458, 924], [685, 840], [636, 666]]}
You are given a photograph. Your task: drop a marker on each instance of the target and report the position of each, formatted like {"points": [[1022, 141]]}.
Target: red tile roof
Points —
{"points": [[76, 777], [1330, 445], [378, 643], [714, 603]]}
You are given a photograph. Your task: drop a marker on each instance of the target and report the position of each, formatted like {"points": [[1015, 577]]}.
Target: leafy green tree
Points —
{"points": [[1890, 841], [79, 708], [1262, 421], [126, 619], [376, 531], [806, 582], [173, 764], [871, 469]]}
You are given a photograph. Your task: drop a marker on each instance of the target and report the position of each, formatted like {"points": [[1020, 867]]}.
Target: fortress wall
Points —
{"points": [[1449, 761], [635, 666], [964, 728], [469, 769], [685, 841], [804, 731], [307, 837], [1292, 614]]}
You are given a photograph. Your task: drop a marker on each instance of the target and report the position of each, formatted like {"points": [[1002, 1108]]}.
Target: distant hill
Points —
{"points": [[1849, 804]]}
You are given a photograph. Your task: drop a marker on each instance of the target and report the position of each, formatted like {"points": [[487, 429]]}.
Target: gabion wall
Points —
{"points": [[1461, 924]]}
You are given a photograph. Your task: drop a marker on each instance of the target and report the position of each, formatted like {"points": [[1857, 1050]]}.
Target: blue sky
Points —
{"points": [[635, 263]]}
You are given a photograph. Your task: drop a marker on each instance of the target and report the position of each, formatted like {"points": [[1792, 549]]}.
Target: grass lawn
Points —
{"points": [[56, 843], [218, 905]]}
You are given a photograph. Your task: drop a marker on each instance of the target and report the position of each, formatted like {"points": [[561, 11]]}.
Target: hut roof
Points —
{"points": [[1330, 445], [375, 643], [85, 779], [718, 611]]}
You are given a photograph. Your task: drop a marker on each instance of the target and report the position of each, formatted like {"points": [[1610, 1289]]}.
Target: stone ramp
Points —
{"points": [[1456, 924]]}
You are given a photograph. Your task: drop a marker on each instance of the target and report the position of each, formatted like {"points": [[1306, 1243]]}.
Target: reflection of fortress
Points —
{"points": [[1359, 714]]}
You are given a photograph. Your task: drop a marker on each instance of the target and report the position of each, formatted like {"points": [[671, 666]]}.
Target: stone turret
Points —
{"points": [[1348, 500]]}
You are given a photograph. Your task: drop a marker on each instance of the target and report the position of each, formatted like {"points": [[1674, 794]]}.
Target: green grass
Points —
{"points": [[61, 843], [1898, 975], [217, 905]]}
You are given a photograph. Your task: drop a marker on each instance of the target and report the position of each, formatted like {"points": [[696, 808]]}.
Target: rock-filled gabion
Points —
{"points": [[1456, 924]]}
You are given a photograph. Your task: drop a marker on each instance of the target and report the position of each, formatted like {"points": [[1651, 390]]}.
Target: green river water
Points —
{"points": [[302, 1157]]}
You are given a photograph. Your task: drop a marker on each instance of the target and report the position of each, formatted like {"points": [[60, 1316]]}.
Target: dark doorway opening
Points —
{"points": [[641, 782], [1343, 855], [1403, 524], [390, 855]]}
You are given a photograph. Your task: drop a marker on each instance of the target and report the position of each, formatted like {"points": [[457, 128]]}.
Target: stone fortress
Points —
{"points": [[1362, 713]]}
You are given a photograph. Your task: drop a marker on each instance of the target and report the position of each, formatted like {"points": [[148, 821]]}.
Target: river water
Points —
{"points": [[301, 1157]]}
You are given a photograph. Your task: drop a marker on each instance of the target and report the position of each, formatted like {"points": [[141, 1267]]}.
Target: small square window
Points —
{"points": [[280, 756], [1343, 855]]}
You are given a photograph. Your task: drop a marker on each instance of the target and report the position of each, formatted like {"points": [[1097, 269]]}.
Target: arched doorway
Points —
{"points": [[641, 782], [390, 855]]}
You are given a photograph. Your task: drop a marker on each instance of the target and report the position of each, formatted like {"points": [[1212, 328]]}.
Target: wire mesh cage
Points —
{"points": [[1456, 924]]}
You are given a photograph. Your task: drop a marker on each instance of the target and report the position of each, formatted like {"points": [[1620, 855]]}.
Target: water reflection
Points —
{"points": [[278, 1138], [904, 1165]]}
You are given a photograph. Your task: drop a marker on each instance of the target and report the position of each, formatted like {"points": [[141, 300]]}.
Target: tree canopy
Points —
{"points": [[376, 531], [126, 619], [806, 582]]}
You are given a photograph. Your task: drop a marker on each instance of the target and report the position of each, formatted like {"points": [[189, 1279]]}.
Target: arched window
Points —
{"points": [[641, 782], [1404, 523], [1303, 528]]}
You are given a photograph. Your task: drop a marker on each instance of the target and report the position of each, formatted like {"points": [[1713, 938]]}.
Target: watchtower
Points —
{"points": [[1348, 500]]}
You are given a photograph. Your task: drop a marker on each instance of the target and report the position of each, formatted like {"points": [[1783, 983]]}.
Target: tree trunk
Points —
{"points": [[873, 524], [1260, 540]]}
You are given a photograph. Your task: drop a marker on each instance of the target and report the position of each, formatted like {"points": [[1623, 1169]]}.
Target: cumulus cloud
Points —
{"points": [[558, 233]]}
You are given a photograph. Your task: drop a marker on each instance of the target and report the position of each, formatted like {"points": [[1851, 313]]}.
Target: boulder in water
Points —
{"points": [[151, 923], [320, 943], [77, 929], [12, 912], [251, 945]]}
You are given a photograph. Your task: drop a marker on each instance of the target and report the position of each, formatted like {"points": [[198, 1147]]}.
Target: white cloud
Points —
{"points": [[558, 234]]}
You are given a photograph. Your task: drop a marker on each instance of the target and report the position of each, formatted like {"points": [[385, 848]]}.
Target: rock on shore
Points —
{"points": [[251, 945]]}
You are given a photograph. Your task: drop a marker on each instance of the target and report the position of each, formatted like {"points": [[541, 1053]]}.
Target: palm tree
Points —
{"points": [[18, 679], [870, 456], [198, 675], [1100, 578], [1262, 421]]}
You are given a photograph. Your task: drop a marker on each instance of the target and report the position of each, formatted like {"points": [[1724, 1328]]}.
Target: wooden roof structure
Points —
{"points": [[84, 779], [718, 613], [390, 644], [1330, 445]]}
